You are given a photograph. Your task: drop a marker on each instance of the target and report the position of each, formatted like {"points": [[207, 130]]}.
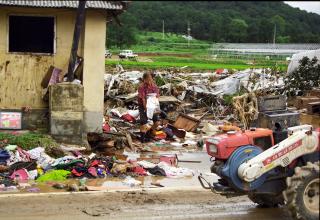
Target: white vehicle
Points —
{"points": [[127, 54], [108, 54]]}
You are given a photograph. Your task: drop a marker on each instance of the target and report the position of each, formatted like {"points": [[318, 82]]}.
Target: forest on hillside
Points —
{"points": [[218, 21]]}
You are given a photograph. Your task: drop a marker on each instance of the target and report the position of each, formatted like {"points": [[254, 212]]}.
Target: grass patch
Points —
{"points": [[197, 55], [190, 65], [28, 141]]}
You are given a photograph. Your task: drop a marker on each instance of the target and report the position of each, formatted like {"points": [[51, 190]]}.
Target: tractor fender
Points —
{"points": [[230, 169]]}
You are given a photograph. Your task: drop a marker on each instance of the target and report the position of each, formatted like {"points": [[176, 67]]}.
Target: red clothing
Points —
{"points": [[145, 89]]}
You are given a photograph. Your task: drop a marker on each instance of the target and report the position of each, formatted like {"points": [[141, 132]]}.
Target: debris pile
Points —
{"points": [[195, 94], [193, 106], [26, 169]]}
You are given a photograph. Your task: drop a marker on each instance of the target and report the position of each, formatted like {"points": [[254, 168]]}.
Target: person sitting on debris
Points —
{"points": [[146, 87], [156, 130]]}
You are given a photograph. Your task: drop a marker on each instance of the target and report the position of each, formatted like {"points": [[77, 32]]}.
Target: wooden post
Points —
{"points": [[76, 37]]}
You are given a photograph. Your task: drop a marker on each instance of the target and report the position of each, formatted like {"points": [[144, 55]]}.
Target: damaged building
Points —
{"points": [[35, 41]]}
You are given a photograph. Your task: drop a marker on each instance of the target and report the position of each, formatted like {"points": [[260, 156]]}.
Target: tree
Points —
{"points": [[221, 21], [280, 24], [253, 33], [238, 30], [305, 77], [265, 31], [122, 36], [283, 39]]}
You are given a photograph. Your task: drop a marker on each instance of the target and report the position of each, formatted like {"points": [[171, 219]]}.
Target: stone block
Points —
{"points": [[66, 123], [66, 97]]}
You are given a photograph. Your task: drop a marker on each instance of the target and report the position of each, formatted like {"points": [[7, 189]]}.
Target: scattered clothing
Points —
{"points": [[175, 171], [146, 164], [129, 181], [54, 175], [4, 156], [140, 171], [19, 175], [32, 165], [157, 171]]}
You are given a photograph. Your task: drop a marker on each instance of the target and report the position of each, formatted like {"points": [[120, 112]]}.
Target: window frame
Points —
{"points": [[33, 15]]}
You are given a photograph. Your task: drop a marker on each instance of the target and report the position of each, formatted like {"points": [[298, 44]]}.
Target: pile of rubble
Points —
{"points": [[199, 95]]}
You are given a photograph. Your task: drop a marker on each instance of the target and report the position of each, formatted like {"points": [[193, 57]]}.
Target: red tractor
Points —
{"points": [[250, 163]]}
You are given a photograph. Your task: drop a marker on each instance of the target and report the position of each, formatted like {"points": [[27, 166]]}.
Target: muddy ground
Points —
{"points": [[151, 204], [181, 198]]}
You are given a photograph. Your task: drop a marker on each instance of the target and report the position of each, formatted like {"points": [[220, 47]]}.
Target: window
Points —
{"points": [[263, 142], [31, 34]]}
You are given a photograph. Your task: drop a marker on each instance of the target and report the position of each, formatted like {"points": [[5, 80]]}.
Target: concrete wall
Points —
{"points": [[93, 70], [21, 74]]}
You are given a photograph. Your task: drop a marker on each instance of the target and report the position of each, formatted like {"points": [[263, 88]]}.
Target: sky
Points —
{"points": [[309, 6]]}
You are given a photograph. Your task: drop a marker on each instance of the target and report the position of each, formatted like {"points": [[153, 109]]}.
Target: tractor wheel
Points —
{"points": [[302, 193], [267, 201]]}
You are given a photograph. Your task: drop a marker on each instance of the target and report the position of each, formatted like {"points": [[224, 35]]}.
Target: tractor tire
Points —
{"points": [[267, 201], [302, 193]]}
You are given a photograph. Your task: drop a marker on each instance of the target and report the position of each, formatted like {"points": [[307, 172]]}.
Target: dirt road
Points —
{"points": [[151, 204]]}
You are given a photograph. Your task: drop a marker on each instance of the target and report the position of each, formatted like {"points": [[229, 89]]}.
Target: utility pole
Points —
{"points": [[162, 29], [76, 37], [188, 33], [274, 34]]}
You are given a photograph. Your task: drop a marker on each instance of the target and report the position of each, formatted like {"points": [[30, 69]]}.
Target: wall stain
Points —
{"points": [[22, 76]]}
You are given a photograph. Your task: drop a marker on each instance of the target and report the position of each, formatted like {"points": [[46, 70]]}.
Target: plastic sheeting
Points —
{"points": [[298, 56], [153, 105]]}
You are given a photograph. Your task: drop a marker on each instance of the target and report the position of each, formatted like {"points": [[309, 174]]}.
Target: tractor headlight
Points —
{"points": [[213, 148]]}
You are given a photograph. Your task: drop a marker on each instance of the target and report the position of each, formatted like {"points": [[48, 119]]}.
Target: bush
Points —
{"points": [[304, 77], [151, 39]]}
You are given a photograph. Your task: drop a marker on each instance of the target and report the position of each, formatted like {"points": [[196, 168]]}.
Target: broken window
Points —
{"points": [[31, 34]]}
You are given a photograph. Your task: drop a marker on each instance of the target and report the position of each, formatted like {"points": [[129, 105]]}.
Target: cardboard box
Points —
{"points": [[302, 102]]}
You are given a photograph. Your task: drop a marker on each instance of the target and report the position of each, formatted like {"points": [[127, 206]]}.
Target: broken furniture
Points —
{"points": [[186, 122]]}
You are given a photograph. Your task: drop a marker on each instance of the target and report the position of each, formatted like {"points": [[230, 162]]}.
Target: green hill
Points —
{"points": [[218, 21]]}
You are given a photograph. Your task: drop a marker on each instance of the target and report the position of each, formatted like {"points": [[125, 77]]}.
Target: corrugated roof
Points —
{"points": [[111, 5]]}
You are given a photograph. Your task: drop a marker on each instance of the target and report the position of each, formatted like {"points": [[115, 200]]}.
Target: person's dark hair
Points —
{"points": [[145, 75]]}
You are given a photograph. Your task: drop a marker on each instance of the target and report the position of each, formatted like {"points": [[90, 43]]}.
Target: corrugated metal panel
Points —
{"points": [[112, 5]]}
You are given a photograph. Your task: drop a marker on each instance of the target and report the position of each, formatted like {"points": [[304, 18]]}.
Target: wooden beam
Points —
{"points": [[76, 37]]}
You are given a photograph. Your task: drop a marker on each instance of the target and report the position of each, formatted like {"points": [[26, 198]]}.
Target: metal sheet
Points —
{"points": [[112, 5]]}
